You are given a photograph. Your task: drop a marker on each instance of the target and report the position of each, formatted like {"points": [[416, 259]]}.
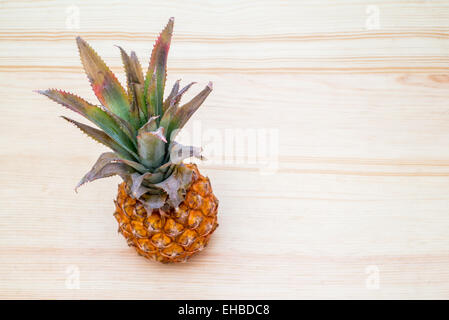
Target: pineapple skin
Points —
{"points": [[174, 235]]}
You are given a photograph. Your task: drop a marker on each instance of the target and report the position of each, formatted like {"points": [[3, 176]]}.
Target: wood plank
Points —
{"points": [[361, 188]]}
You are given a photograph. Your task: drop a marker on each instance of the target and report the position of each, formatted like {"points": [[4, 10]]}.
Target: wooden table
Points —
{"points": [[358, 94]]}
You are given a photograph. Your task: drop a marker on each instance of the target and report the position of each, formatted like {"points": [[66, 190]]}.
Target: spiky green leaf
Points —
{"points": [[179, 116], [101, 137], [107, 88], [139, 97], [173, 93], [93, 113], [137, 67], [157, 71], [107, 165], [186, 111], [139, 88], [151, 147], [133, 76], [135, 165], [152, 98], [125, 126], [151, 125], [178, 96]]}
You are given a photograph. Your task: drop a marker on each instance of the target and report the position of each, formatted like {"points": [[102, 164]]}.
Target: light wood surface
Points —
{"points": [[359, 207]]}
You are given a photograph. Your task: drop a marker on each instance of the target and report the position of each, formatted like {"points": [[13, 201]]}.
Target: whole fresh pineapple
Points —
{"points": [[165, 209]]}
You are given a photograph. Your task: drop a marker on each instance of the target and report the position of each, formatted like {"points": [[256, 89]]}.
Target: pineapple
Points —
{"points": [[165, 208]]}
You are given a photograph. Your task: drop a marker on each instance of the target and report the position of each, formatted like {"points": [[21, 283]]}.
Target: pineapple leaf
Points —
{"points": [[107, 165], [137, 189], [133, 73], [139, 97], [176, 185], [173, 93], [126, 127], [186, 111], [139, 88], [151, 125], [178, 96], [137, 67], [164, 168], [151, 148], [132, 77], [152, 97], [152, 189], [172, 107], [182, 114], [157, 71], [93, 113], [134, 165], [101, 137], [171, 104], [167, 119], [170, 170], [108, 90]]}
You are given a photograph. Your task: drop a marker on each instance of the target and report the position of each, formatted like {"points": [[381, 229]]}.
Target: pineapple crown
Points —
{"points": [[138, 125]]}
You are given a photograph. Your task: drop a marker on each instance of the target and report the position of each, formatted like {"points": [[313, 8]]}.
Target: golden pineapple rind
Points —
{"points": [[174, 235]]}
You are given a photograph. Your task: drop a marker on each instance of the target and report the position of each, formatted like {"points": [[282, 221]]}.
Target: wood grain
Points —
{"points": [[363, 178]]}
